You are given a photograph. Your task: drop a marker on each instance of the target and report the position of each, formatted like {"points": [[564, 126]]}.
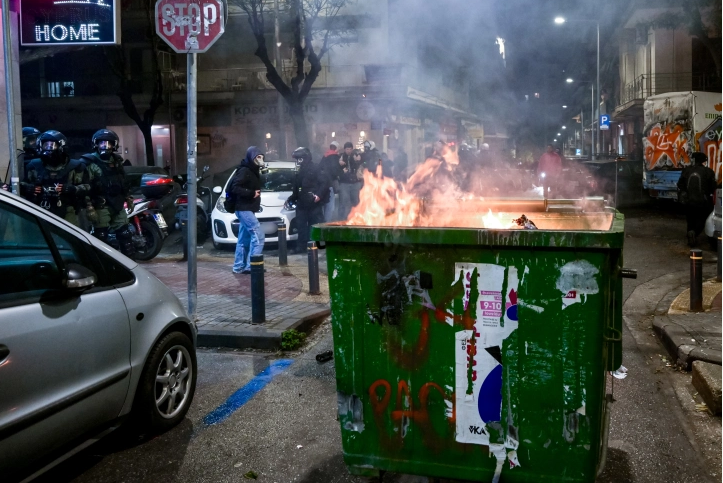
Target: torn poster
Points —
{"points": [[478, 352]]}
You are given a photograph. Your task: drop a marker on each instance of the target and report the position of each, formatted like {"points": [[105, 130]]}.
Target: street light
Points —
{"points": [[564, 127], [569, 81], [562, 20], [564, 107]]}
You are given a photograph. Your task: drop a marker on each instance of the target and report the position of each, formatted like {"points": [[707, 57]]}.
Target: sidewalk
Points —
{"points": [[223, 313]]}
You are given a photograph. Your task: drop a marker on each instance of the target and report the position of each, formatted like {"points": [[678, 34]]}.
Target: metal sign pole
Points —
{"points": [[9, 97], [191, 185]]}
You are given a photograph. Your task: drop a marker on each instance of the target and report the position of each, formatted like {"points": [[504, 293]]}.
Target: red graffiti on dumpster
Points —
{"points": [[667, 145], [406, 411]]}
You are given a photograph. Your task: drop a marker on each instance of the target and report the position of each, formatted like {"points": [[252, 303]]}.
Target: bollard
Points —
{"points": [[313, 253], [258, 297], [718, 272], [282, 245], [696, 280]]}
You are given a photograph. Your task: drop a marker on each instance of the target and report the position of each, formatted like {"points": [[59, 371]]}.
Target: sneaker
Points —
{"points": [[691, 238], [245, 272]]}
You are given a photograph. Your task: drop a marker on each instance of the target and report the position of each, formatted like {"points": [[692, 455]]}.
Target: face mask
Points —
{"points": [[259, 160]]}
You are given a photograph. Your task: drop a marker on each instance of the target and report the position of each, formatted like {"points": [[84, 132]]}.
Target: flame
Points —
{"points": [[383, 203], [494, 220]]}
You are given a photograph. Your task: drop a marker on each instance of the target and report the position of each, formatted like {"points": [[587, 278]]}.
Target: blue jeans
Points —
{"points": [[250, 240], [329, 207]]}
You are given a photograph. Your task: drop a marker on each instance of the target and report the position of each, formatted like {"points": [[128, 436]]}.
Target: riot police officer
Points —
{"points": [[53, 180], [108, 192]]}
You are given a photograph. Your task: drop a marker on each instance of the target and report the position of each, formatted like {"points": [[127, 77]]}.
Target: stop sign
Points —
{"points": [[190, 26]]}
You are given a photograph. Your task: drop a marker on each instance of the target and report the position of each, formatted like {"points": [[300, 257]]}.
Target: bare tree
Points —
{"points": [[313, 35], [116, 59]]}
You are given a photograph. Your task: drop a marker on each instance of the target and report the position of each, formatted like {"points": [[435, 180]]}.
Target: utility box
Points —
{"points": [[477, 354]]}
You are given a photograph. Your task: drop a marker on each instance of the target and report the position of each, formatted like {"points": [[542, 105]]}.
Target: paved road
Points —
{"points": [[288, 431]]}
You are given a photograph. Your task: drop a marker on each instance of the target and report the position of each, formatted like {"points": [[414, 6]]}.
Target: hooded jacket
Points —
{"points": [[246, 182]]}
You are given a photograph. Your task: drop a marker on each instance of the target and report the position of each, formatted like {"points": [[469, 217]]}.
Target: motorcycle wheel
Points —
{"points": [[154, 241], [201, 228]]}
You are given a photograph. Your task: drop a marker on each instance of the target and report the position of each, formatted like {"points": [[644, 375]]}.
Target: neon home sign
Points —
{"points": [[69, 22]]}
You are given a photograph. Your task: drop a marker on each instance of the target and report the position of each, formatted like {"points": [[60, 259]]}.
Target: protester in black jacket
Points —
{"points": [[330, 167], [246, 192], [696, 186], [310, 185]]}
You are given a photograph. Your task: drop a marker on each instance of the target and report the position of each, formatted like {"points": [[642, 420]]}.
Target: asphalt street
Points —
{"points": [[286, 430]]}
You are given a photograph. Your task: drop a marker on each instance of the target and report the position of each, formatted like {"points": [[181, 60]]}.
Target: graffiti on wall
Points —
{"points": [[667, 145], [708, 141]]}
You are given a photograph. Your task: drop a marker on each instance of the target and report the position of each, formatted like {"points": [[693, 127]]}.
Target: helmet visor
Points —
{"points": [[49, 145], [30, 141], [105, 145]]}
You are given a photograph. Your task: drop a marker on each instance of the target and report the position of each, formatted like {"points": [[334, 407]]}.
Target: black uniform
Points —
{"points": [[309, 182]]}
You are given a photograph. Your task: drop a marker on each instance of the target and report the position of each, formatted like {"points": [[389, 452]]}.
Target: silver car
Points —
{"points": [[88, 339]]}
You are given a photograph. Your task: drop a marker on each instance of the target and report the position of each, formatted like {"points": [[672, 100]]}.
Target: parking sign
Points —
{"points": [[604, 122]]}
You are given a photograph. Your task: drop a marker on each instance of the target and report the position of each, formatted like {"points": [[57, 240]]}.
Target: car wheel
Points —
{"points": [[167, 384]]}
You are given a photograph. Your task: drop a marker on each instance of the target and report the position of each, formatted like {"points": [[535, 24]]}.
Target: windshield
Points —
{"points": [[277, 179]]}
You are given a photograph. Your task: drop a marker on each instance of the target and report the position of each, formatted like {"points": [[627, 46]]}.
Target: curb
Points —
{"points": [[707, 380], [677, 340], [256, 337]]}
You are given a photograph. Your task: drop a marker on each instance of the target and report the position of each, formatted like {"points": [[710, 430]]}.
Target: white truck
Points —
{"points": [[676, 125]]}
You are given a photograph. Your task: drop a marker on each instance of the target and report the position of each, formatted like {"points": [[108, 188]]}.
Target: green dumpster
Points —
{"points": [[477, 354]]}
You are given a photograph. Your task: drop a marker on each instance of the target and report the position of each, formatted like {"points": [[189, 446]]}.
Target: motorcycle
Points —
{"points": [[203, 211], [146, 224]]}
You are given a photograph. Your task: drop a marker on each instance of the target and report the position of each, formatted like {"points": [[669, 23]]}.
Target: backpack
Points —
{"points": [[229, 203], [694, 190]]}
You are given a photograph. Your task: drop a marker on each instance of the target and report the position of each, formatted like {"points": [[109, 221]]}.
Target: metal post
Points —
{"points": [[718, 272], [592, 120], [282, 245], [616, 182], [258, 297], [597, 126], [191, 184], [9, 97], [696, 280], [313, 253]]}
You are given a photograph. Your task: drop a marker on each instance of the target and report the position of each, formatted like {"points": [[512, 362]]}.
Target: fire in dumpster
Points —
{"points": [[444, 192]]}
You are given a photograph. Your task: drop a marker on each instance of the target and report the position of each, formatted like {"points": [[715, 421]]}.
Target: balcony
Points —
{"points": [[633, 95]]}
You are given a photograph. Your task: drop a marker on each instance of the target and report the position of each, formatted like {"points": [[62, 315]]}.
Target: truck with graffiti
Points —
{"points": [[678, 124]]}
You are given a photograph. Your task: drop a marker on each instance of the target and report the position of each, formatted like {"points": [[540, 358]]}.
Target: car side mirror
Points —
{"points": [[79, 277], [218, 190]]}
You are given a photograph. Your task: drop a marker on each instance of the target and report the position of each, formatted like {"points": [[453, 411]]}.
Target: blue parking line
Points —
{"points": [[247, 392]]}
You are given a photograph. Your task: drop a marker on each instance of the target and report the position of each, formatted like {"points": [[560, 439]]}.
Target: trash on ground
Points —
{"points": [[702, 408], [620, 373], [251, 475], [298, 446], [324, 356]]}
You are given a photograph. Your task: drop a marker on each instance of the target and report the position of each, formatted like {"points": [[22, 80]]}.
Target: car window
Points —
{"points": [[277, 179], [27, 265]]}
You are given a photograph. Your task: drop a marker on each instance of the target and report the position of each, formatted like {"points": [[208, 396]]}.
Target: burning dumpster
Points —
{"points": [[477, 349]]}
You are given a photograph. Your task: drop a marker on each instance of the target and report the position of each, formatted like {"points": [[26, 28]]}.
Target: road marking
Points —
{"points": [[247, 392]]}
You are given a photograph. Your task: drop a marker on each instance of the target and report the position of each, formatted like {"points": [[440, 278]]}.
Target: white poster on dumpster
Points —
{"points": [[478, 352]]}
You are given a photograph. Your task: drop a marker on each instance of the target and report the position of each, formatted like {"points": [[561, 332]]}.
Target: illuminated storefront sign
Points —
{"points": [[69, 22]]}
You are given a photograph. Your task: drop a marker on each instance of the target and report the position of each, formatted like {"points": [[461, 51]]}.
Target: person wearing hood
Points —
{"points": [[246, 191]]}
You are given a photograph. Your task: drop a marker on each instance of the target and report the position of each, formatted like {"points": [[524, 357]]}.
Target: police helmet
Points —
{"points": [[301, 154], [52, 142], [30, 137], [110, 138]]}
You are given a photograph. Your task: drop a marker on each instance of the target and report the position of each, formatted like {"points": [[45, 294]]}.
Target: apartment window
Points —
{"points": [[59, 89]]}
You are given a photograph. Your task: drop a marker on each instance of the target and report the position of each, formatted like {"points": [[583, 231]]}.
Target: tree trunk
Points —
{"points": [[296, 111], [148, 141]]}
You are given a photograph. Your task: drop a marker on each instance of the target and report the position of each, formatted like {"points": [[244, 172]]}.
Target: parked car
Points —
{"points": [[134, 174], [713, 223], [601, 180], [88, 339], [277, 179]]}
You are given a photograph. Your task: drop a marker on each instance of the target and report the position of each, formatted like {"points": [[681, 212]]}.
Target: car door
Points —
{"points": [[64, 354]]}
